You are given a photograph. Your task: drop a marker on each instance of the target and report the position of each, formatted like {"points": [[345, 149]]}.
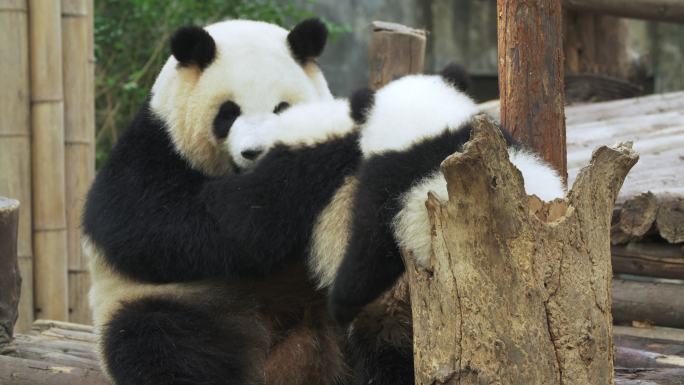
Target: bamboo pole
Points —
{"points": [[47, 125], [531, 76], [79, 136], [15, 138]]}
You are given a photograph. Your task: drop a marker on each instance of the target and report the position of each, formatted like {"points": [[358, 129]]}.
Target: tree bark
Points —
{"points": [[530, 42], [395, 50], [10, 279], [519, 290]]}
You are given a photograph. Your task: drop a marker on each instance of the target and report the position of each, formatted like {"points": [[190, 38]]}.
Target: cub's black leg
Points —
{"points": [[157, 341]]}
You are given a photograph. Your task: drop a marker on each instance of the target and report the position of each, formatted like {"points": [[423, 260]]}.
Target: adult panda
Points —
{"points": [[407, 128], [185, 285]]}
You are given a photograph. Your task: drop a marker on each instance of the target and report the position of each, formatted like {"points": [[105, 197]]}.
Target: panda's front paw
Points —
{"points": [[342, 313]]}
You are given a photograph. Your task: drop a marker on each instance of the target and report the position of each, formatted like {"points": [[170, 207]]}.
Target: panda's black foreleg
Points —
{"points": [[155, 341], [379, 362]]}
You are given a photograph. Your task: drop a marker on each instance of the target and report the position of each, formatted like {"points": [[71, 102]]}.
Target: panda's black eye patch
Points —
{"points": [[228, 112], [282, 106]]}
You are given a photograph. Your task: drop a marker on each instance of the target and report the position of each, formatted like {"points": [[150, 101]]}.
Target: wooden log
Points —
{"points": [[637, 358], [47, 152], [649, 376], [19, 371], [649, 259], [659, 10], [658, 303], [10, 284], [15, 139], [531, 76], [670, 219], [532, 304], [394, 50], [635, 217], [656, 333], [79, 136]]}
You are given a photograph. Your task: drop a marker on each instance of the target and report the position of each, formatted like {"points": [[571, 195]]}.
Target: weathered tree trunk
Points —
{"points": [[531, 76], [10, 279], [394, 50], [519, 290]]}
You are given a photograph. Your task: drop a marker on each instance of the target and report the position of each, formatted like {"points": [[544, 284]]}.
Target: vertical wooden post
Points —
{"points": [[531, 76], [15, 138], [10, 284], [79, 136], [47, 150], [394, 50]]}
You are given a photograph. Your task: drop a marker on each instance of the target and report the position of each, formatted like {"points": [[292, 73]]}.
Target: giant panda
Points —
{"points": [[406, 129], [197, 273]]}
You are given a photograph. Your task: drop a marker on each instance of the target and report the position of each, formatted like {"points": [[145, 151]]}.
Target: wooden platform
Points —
{"points": [[62, 353]]}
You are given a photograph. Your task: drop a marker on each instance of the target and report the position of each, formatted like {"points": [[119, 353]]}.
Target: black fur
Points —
{"points": [[156, 341], [307, 39], [380, 363], [457, 76], [228, 112], [158, 220], [193, 46], [361, 103], [372, 262]]}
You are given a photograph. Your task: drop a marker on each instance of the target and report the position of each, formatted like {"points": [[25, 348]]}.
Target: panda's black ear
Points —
{"points": [[457, 76], [361, 103], [307, 39], [193, 46]]}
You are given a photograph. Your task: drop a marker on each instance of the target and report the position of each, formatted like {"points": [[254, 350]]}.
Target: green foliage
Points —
{"points": [[131, 45]]}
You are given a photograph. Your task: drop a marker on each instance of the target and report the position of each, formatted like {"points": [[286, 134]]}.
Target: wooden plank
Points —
{"points": [[659, 10], [10, 284], [649, 376], [394, 50], [652, 333], [531, 76], [15, 139], [19, 371], [659, 303], [649, 259]]}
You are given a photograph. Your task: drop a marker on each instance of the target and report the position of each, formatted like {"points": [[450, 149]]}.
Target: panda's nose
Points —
{"points": [[251, 154]]}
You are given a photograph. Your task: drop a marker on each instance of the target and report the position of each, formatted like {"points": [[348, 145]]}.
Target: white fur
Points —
{"points": [[412, 225], [254, 68], [413, 108], [305, 124]]}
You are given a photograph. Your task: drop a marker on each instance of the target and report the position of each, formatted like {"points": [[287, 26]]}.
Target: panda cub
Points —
{"points": [[407, 128]]}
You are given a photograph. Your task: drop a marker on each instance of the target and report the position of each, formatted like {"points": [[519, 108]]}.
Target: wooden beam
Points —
{"points": [[10, 278], [530, 42], [394, 50], [659, 10], [659, 303]]}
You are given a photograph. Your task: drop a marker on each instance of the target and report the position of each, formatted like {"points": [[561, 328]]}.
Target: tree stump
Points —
{"points": [[519, 290], [10, 279]]}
